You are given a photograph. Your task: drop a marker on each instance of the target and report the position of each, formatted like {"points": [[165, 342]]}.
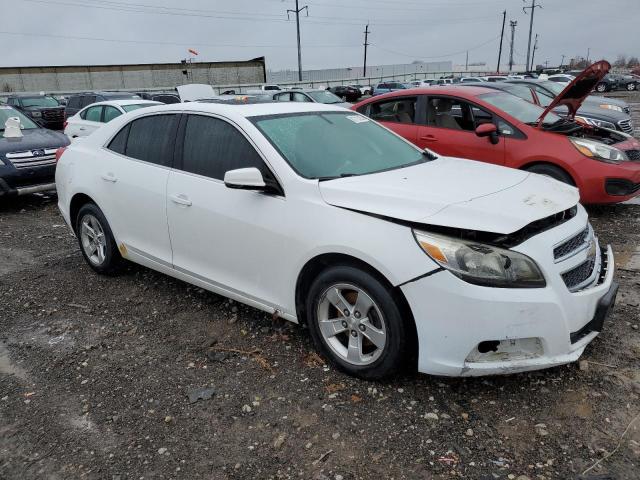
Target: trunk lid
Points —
{"points": [[578, 90]]}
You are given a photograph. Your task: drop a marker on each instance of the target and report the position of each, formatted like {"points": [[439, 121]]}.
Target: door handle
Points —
{"points": [[109, 177], [181, 199], [429, 138]]}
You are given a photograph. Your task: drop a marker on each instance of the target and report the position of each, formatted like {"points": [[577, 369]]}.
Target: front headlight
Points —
{"points": [[599, 151], [608, 106], [481, 264], [36, 114], [595, 122]]}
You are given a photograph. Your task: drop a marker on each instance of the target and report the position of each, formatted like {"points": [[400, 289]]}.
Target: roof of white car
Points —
{"points": [[123, 102], [249, 110]]}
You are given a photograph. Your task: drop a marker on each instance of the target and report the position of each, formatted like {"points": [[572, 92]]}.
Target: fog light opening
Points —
{"points": [[488, 346]]}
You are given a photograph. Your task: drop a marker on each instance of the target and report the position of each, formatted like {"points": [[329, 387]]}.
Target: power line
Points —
{"points": [[436, 56]]}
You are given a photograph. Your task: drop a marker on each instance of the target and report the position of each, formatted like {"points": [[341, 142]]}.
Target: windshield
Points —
{"points": [[25, 122], [130, 108], [39, 102], [330, 145], [518, 108], [555, 87], [322, 96]]}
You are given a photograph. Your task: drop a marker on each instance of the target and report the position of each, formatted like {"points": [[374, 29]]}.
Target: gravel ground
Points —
{"points": [[96, 375]]}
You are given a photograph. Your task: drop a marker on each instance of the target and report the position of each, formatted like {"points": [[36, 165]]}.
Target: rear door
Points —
{"points": [[228, 238], [134, 180], [400, 114], [449, 129]]}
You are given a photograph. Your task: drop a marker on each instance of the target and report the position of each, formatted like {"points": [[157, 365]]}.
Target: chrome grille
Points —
{"points": [[578, 275], [41, 157], [626, 126], [573, 245]]}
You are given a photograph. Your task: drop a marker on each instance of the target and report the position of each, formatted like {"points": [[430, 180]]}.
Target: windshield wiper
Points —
{"points": [[333, 177]]}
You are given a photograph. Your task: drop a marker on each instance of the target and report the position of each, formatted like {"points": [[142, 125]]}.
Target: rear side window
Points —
{"points": [[92, 114], [401, 110], [212, 147], [152, 138], [119, 142], [110, 113], [88, 100], [74, 102]]}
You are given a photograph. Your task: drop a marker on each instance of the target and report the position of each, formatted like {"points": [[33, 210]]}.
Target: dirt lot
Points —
{"points": [[96, 373]]}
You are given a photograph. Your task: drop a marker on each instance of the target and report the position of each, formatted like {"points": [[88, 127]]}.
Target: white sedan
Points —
{"points": [[93, 116], [394, 257]]}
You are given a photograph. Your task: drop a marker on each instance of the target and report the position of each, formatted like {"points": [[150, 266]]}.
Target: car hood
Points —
{"points": [[598, 100], [456, 193], [32, 139], [594, 111], [576, 91]]}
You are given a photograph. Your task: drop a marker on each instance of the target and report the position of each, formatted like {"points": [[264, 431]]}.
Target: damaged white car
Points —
{"points": [[394, 258]]}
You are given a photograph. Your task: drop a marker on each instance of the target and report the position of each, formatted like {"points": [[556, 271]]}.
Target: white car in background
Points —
{"points": [[394, 258], [94, 116]]}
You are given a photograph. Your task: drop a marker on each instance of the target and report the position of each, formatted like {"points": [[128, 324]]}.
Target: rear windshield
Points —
{"points": [[323, 96], [136, 106], [25, 122], [39, 102], [333, 145], [518, 108]]}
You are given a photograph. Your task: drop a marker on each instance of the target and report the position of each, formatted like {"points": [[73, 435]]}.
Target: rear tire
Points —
{"points": [[356, 323], [601, 87], [631, 86], [552, 171], [97, 244]]}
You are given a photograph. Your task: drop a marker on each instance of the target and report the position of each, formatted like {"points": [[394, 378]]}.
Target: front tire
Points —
{"points": [[552, 171], [97, 244], [356, 322], [601, 87], [631, 86]]}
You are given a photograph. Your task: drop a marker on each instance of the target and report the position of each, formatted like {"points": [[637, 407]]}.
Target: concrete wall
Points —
{"points": [[142, 76]]}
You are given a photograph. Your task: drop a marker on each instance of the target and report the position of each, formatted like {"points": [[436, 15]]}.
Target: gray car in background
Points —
{"points": [[310, 95]]}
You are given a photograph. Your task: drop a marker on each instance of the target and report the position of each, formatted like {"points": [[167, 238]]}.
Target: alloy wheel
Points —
{"points": [[94, 242], [351, 324]]}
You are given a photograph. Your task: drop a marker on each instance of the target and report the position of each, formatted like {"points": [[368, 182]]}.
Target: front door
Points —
{"points": [[449, 130]]}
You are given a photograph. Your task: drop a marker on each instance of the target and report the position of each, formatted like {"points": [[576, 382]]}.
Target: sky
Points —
{"points": [[96, 32]]}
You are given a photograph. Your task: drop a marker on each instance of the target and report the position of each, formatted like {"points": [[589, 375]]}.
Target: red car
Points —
{"points": [[498, 127]]}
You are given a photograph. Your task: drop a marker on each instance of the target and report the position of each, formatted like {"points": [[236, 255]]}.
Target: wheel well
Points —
{"points": [[78, 200], [533, 164]]}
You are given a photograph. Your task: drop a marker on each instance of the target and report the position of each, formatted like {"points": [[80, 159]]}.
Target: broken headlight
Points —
{"points": [[599, 151], [481, 264]]}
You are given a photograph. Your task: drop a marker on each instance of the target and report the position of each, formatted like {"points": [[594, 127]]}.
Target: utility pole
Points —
{"points": [[366, 44], [533, 7], [466, 63], [504, 19], [512, 24], [562, 61], [533, 53], [297, 12], [588, 53]]}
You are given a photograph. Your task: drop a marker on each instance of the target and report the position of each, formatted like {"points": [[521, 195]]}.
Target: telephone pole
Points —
{"points": [[533, 7], [366, 44], [512, 24], [562, 61], [504, 19], [297, 12], [533, 54], [466, 63]]}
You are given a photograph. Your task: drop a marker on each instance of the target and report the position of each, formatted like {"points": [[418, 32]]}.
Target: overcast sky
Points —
{"points": [[85, 32]]}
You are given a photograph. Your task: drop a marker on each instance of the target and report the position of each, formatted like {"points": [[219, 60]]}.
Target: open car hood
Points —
{"points": [[578, 90], [456, 193]]}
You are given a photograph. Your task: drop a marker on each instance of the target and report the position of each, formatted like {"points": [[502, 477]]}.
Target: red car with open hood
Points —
{"points": [[497, 127]]}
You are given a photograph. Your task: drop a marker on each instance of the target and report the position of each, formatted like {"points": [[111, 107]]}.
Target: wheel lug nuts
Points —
{"points": [[362, 328], [344, 324], [346, 312], [356, 314], [354, 333]]}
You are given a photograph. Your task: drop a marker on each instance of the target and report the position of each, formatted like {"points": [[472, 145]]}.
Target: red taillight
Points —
{"points": [[64, 125], [59, 153]]}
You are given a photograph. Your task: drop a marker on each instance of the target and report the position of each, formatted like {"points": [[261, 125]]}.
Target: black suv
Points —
{"points": [[44, 109], [28, 159], [78, 101], [160, 97]]}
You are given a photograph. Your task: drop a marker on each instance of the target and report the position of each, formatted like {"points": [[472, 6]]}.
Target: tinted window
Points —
{"points": [[88, 100], [12, 101], [119, 142], [152, 138], [110, 113], [401, 110], [39, 102], [92, 114], [166, 99], [74, 102], [212, 147]]}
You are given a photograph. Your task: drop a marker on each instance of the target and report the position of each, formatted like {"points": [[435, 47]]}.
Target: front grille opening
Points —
{"points": [[570, 246], [578, 275]]}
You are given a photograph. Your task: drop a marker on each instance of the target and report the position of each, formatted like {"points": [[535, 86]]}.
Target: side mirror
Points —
{"points": [[245, 179], [488, 130]]}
